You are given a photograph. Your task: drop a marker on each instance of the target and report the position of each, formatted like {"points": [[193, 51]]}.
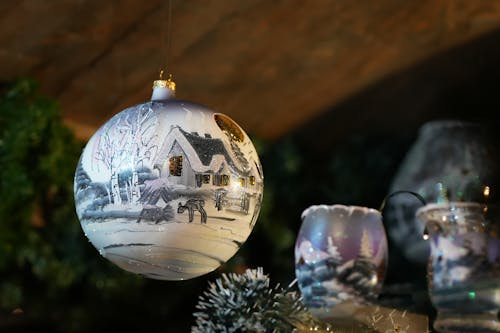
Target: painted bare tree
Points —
{"points": [[129, 139], [139, 128], [111, 154]]}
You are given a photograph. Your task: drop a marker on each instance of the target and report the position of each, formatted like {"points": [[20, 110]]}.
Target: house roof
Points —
{"points": [[206, 147]]}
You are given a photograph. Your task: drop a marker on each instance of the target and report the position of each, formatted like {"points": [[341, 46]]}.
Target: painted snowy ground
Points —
{"points": [[172, 250]]}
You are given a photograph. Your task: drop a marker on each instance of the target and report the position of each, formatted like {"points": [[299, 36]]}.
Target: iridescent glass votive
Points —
{"points": [[340, 258]]}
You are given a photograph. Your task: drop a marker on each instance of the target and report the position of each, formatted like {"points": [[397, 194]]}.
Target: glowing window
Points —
{"points": [[242, 182], [175, 166]]}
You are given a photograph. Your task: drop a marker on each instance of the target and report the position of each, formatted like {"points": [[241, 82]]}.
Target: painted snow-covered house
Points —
{"points": [[202, 161]]}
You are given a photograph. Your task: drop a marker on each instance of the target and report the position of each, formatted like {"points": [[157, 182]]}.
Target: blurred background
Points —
{"points": [[333, 93]]}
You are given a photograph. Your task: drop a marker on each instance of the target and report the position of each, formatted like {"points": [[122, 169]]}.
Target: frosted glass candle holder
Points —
{"points": [[340, 258]]}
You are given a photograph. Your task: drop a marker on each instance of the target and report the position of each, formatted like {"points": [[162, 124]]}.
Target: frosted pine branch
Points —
{"points": [[247, 303]]}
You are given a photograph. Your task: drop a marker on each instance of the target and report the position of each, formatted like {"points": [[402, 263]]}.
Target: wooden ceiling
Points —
{"points": [[270, 65]]}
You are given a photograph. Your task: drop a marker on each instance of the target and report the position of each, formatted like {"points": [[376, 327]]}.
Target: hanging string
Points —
{"points": [[169, 34], [168, 40]]}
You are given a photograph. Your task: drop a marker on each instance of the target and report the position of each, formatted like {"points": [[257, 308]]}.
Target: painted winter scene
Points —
{"points": [[464, 263], [464, 270], [340, 257], [169, 189]]}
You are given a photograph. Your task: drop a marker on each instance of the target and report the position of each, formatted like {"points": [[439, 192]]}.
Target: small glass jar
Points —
{"points": [[464, 265]]}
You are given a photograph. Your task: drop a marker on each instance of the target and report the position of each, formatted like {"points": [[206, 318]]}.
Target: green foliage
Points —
{"points": [[43, 254], [247, 303], [37, 155]]}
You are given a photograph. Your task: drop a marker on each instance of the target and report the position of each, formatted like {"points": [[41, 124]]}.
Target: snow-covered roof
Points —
{"points": [[205, 152], [206, 147]]}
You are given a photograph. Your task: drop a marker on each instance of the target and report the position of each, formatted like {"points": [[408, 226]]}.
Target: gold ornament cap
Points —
{"points": [[163, 89]]}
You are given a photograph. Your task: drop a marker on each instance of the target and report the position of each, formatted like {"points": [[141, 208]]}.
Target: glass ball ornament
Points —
{"points": [[168, 189]]}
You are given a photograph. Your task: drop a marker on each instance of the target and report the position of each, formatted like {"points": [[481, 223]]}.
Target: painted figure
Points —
{"points": [[191, 205]]}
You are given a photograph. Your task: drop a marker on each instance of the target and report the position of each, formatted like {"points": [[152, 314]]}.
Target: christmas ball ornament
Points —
{"points": [[340, 258], [168, 189]]}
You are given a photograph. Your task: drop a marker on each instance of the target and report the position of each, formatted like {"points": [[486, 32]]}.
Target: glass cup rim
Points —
{"points": [[449, 204], [331, 208], [468, 213]]}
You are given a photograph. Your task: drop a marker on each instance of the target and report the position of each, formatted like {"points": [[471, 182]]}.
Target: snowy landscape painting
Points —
{"points": [[461, 263], [340, 256], [464, 263], [168, 189]]}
